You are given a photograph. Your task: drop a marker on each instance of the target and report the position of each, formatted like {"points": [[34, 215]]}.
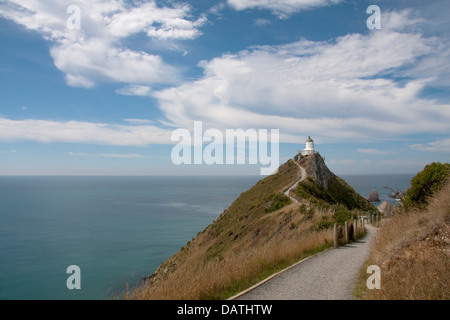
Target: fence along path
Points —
{"points": [[329, 275]]}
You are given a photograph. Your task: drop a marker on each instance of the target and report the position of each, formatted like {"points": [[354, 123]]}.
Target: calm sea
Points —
{"points": [[116, 229]]}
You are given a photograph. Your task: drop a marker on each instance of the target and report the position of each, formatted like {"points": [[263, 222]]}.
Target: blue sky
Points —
{"points": [[104, 99]]}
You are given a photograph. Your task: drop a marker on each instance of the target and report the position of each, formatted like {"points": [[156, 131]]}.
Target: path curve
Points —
{"points": [[303, 176], [329, 275]]}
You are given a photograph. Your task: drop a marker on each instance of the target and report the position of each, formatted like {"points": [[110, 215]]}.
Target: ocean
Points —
{"points": [[116, 229]]}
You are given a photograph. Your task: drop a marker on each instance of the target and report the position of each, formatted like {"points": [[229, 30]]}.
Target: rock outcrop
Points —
{"points": [[373, 196], [394, 194], [315, 166], [386, 208], [324, 185]]}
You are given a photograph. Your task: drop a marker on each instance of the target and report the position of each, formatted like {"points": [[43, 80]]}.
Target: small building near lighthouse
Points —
{"points": [[309, 147]]}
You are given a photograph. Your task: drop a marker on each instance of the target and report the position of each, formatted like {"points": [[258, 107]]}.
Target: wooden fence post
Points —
{"points": [[346, 232], [336, 236]]}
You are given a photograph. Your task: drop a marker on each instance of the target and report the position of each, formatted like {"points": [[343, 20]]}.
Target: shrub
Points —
{"points": [[425, 184], [324, 223], [277, 201], [341, 214]]}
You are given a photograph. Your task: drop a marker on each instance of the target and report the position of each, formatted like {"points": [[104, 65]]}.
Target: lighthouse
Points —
{"points": [[309, 148]]}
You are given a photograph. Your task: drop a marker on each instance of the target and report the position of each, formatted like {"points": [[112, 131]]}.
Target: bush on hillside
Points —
{"points": [[277, 201], [425, 184], [341, 214]]}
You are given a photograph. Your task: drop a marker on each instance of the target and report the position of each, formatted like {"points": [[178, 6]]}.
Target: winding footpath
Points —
{"points": [[329, 275], [303, 176]]}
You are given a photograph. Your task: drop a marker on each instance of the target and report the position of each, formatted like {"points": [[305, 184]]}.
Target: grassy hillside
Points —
{"points": [[260, 233], [412, 249]]}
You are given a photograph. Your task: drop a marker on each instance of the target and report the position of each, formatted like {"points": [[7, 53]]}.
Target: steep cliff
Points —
{"points": [[322, 185]]}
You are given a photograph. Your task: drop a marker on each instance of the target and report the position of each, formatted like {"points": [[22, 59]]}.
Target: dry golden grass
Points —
{"points": [[412, 250], [240, 267], [243, 246]]}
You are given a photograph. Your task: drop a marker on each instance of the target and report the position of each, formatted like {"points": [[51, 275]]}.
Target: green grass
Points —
{"points": [[276, 202]]}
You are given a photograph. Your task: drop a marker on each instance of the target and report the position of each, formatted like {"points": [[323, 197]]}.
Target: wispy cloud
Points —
{"points": [[435, 146], [341, 161], [139, 121], [374, 151], [217, 8], [82, 132], [118, 155], [8, 151], [282, 8], [80, 154], [261, 22], [135, 90], [404, 163], [108, 155]]}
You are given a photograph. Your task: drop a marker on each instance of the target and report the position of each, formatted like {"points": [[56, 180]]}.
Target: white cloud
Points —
{"points": [[341, 161], [161, 23], [80, 154], [435, 146], [96, 52], [405, 163], [334, 90], [406, 19], [118, 155], [217, 8], [48, 131], [139, 121], [96, 60], [374, 151], [108, 155], [135, 90], [261, 22], [282, 8]]}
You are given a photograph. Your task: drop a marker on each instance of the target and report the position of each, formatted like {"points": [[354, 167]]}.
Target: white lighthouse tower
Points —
{"points": [[309, 148]]}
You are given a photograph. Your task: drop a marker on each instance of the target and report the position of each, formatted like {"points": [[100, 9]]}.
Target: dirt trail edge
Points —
{"points": [[329, 275]]}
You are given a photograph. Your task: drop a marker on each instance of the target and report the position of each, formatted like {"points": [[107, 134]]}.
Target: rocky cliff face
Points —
{"points": [[315, 166], [324, 185]]}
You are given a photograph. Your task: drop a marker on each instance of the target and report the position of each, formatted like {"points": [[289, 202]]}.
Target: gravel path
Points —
{"points": [[329, 275], [303, 176]]}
